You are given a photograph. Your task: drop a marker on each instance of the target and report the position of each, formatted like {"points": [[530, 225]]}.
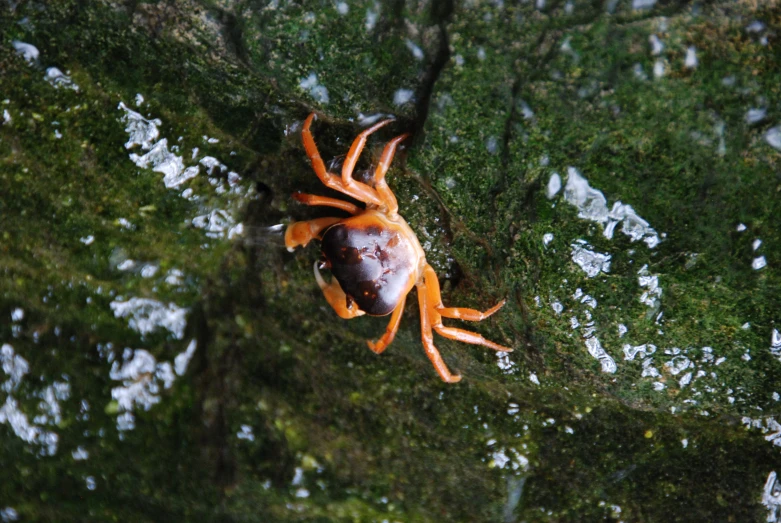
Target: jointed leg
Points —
{"points": [[355, 152], [313, 199], [461, 313], [435, 301], [386, 195], [428, 338], [468, 337], [301, 233], [336, 297], [390, 331], [357, 190]]}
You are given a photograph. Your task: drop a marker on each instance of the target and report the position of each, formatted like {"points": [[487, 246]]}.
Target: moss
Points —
{"points": [[283, 414]]}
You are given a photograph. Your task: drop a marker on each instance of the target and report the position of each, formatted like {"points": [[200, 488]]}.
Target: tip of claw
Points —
{"points": [[319, 278], [373, 346], [454, 379]]}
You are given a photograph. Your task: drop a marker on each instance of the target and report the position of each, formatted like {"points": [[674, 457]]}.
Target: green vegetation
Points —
{"points": [[282, 413]]}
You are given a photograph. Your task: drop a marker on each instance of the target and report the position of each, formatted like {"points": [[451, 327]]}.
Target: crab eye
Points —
{"points": [[349, 302]]}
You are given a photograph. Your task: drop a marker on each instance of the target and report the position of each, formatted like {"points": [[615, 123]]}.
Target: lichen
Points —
{"points": [[241, 396]]}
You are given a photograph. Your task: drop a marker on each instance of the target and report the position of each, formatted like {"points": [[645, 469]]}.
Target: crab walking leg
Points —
{"points": [[390, 331], [468, 337], [434, 297], [428, 338], [380, 185], [460, 313], [355, 152], [359, 191], [313, 199], [301, 233], [336, 297], [463, 313]]}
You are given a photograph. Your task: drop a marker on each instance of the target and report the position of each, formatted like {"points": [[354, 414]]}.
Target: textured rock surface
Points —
{"points": [[610, 169]]}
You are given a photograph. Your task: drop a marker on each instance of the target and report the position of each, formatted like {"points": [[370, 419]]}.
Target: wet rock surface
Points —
{"points": [[610, 169]]}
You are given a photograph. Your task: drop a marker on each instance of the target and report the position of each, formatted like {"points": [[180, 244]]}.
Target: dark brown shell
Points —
{"points": [[372, 263]]}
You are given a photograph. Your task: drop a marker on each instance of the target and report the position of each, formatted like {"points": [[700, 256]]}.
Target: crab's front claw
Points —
{"points": [[344, 306], [301, 233]]}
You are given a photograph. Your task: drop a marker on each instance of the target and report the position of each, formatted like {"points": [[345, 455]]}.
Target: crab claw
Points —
{"points": [[344, 305]]}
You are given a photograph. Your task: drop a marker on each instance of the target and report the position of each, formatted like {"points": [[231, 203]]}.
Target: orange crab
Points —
{"points": [[374, 256]]}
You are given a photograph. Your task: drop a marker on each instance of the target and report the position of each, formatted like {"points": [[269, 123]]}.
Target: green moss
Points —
{"points": [[380, 437]]}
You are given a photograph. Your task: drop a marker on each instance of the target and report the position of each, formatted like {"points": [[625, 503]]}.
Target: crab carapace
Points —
{"points": [[374, 256]]}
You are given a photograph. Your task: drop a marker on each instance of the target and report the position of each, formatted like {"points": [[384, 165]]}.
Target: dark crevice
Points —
{"points": [[391, 19], [233, 32], [441, 12], [535, 66]]}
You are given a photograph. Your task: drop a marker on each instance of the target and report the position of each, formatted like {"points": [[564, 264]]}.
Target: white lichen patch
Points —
{"points": [[690, 61], [771, 498], [592, 206], [591, 262], [28, 52], [59, 80], [606, 360], [147, 315], [650, 282], [775, 344], [759, 263], [142, 378], [643, 350], [15, 367], [403, 96], [217, 223], [316, 90]]}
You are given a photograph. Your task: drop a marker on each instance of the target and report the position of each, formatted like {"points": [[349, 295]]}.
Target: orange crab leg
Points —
{"points": [[355, 152], [428, 338], [313, 199], [336, 298], [468, 337], [357, 190], [301, 233], [390, 331], [459, 313], [462, 313], [435, 299], [386, 195]]}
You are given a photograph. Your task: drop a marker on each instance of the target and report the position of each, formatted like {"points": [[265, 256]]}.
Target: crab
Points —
{"points": [[374, 256]]}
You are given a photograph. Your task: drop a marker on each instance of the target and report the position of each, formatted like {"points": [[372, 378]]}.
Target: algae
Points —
{"points": [[643, 390]]}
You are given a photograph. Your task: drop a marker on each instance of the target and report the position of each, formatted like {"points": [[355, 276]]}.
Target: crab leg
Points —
{"points": [[355, 152], [386, 195], [301, 233], [462, 313], [390, 331], [428, 338], [435, 298], [336, 298], [313, 199], [357, 190], [468, 337], [459, 313]]}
